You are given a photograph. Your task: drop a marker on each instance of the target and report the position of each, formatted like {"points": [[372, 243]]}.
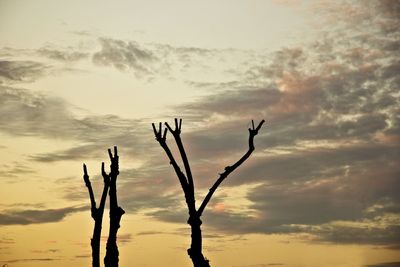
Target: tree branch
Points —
{"points": [[229, 169], [91, 194], [176, 133], [97, 214], [106, 179], [114, 172], [161, 138]]}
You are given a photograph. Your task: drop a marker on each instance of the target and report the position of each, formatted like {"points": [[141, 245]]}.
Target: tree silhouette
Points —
{"points": [[186, 181], [112, 255], [97, 214]]}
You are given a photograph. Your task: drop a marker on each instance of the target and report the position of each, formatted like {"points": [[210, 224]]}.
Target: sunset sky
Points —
{"points": [[321, 189]]}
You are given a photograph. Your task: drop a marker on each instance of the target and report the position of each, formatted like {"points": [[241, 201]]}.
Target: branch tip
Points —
{"points": [[260, 124], [165, 133], [85, 169], [103, 171]]}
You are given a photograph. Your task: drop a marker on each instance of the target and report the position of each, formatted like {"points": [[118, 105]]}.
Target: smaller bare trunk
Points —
{"points": [[97, 215], [112, 254], [95, 243]]}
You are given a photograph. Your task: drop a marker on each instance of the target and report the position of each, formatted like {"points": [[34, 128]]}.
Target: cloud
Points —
{"points": [[47, 251], [22, 204], [49, 117], [125, 55], [6, 240], [21, 71], [233, 102], [385, 264], [62, 55], [150, 233], [36, 115], [155, 60], [25, 217], [12, 172], [32, 260], [83, 256]]}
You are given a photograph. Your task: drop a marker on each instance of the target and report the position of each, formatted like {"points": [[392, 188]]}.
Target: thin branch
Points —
{"points": [[91, 194], [178, 140], [97, 214], [106, 186], [229, 169], [162, 140]]}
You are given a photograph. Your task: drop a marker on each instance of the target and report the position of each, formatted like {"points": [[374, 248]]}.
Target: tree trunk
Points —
{"points": [[112, 254], [195, 250], [97, 215], [95, 243]]}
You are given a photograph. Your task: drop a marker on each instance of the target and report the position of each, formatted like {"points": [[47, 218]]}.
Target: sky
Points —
{"points": [[321, 188]]}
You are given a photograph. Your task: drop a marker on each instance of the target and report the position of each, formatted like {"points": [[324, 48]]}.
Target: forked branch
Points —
{"points": [[97, 214], [161, 138], [177, 136]]}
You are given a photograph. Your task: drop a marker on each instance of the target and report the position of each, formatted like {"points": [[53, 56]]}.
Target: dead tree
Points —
{"points": [[97, 213], [110, 180], [112, 254], [186, 181]]}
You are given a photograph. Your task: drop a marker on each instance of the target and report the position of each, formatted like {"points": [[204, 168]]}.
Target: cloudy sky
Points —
{"points": [[321, 189]]}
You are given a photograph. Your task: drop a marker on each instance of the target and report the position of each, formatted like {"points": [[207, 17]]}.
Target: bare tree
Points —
{"points": [[112, 254], [186, 181], [110, 180], [97, 213]]}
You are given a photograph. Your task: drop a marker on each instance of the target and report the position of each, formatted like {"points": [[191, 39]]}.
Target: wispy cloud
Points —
{"points": [[24, 217], [63, 55], [32, 260], [125, 55], [21, 71]]}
